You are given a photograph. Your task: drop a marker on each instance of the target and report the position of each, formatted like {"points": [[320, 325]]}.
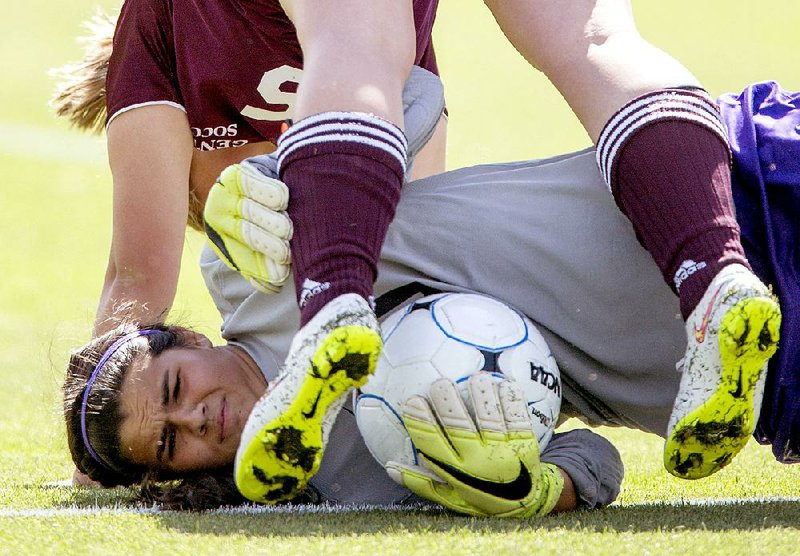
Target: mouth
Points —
{"points": [[221, 419]]}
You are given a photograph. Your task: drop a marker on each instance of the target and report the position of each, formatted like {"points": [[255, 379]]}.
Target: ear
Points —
{"points": [[195, 339]]}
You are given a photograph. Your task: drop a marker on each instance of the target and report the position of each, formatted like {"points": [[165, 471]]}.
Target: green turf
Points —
{"points": [[55, 231]]}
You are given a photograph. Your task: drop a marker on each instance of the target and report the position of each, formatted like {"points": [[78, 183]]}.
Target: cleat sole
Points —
{"points": [[281, 458], [708, 438]]}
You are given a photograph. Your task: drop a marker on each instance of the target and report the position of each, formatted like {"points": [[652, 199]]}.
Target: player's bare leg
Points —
{"points": [[663, 151]]}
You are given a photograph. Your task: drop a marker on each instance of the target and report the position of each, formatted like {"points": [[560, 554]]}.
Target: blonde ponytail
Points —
{"points": [[80, 94]]}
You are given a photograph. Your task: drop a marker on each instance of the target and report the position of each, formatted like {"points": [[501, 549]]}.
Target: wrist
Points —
{"points": [[568, 500]]}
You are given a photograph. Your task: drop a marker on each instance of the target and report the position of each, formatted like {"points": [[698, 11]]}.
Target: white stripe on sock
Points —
{"points": [[344, 138], [344, 117], [615, 127], [646, 101], [627, 122], [350, 127], [354, 129]]}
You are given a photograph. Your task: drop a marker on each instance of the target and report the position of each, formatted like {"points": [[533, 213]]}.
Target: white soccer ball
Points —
{"points": [[453, 335]]}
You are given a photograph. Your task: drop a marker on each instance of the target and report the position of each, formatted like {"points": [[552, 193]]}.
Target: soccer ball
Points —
{"points": [[453, 335]]}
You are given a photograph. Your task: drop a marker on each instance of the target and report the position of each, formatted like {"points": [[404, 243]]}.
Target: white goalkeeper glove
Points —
{"points": [[247, 226], [486, 464]]}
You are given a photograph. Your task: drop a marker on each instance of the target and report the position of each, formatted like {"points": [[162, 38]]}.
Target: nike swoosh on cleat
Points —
{"points": [[514, 490], [700, 333], [738, 392], [309, 414]]}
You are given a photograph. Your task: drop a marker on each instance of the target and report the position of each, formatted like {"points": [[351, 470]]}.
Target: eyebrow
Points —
{"points": [[177, 387], [161, 445], [165, 389], [171, 452], [164, 399]]}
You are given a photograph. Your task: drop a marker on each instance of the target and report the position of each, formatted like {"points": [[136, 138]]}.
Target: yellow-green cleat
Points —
{"points": [[732, 333], [285, 435]]}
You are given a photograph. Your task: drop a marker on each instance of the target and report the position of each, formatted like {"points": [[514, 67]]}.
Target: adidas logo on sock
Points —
{"points": [[312, 288], [687, 268]]}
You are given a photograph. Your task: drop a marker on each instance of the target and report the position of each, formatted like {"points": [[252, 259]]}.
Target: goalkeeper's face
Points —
{"points": [[184, 410]]}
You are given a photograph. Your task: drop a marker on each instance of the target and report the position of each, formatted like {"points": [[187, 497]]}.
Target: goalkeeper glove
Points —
{"points": [[247, 226], [486, 465]]}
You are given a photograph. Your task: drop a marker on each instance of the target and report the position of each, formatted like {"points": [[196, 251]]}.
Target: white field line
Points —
{"points": [[51, 145], [333, 508], [715, 502], [238, 510]]}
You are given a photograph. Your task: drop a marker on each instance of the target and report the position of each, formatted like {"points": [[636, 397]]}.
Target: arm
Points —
{"points": [[591, 466], [568, 501], [150, 150], [432, 159]]}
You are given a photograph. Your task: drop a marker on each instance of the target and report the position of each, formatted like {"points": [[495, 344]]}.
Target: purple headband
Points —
{"points": [[103, 360]]}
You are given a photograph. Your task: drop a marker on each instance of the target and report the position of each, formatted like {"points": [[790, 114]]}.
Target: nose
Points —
{"points": [[193, 419]]}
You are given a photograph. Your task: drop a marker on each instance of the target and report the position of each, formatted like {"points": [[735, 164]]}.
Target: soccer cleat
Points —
{"points": [[732, 333], [283, 440]]}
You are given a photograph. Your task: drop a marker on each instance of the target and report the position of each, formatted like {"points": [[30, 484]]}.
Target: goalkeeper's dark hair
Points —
{"points": [[102, 412], [192, 491], [201, 490]]}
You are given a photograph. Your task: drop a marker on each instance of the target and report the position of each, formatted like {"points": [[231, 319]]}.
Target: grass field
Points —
{"points": [[55, 230]]}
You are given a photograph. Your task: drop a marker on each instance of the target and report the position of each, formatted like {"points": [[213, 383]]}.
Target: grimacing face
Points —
{"points": [[184, 409]]}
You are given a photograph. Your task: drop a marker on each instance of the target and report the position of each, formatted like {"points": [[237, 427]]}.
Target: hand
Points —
{"points": [[247, 226], [486, 466]]}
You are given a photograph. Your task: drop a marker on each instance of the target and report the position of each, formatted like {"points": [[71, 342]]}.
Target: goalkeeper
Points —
{"points": [[574, 299], [579, 469]]}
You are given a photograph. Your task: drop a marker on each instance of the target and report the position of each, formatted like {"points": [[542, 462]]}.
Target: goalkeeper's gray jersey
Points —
{"points": [[545, 237]]}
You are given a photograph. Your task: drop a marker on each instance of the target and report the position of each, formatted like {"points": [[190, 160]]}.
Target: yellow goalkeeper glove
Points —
{"points": [[485, 463], [247, 226]]}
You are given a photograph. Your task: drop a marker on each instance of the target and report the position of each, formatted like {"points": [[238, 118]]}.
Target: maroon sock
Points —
{"points": [[344, 172], [666, 159]]}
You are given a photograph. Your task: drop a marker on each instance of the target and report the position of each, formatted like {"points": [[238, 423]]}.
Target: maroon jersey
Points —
{"points": [[232, 65]]}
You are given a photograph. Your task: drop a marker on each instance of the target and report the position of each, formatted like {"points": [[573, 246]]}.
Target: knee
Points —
{"points": [[555, 36]]}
